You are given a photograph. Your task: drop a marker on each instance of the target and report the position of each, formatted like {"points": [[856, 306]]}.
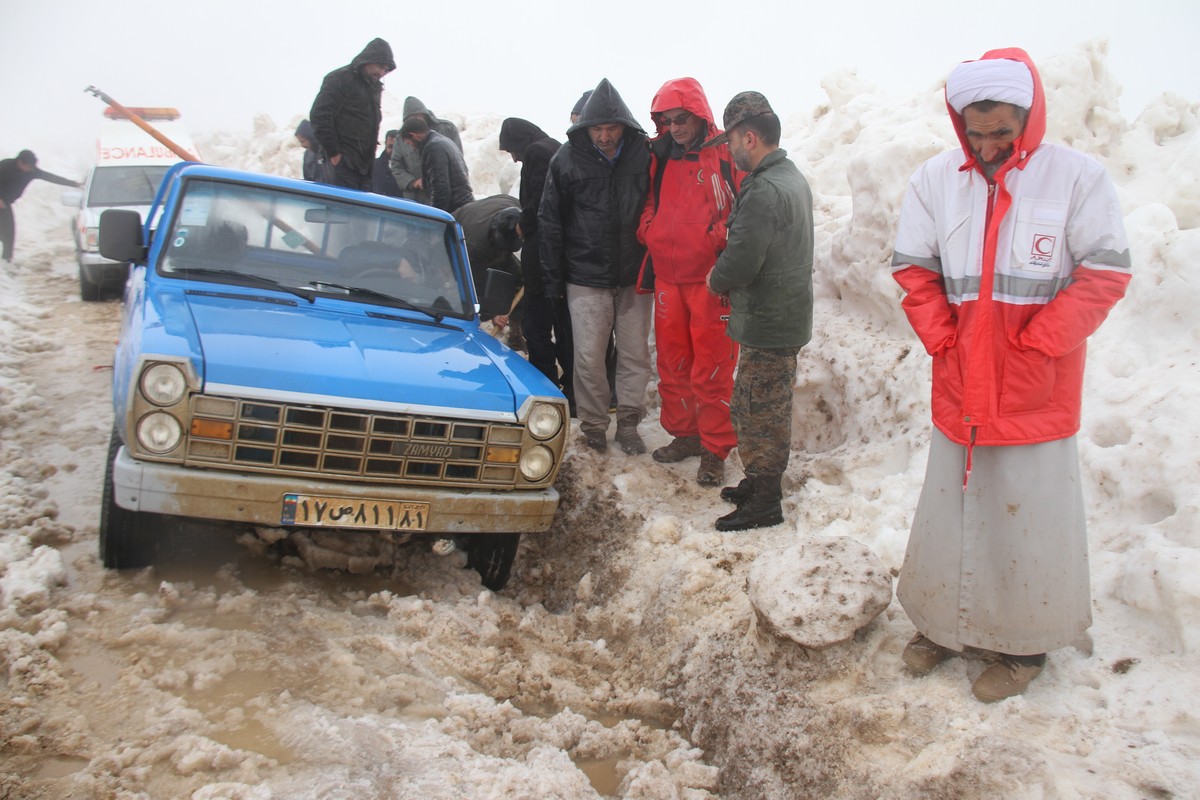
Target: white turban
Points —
{"points": [[999, 79]]}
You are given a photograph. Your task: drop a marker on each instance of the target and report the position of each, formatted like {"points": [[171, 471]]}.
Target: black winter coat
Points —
{"points": [[444, 173], [534, 149], [588, 221], [13, 180], [346, 114], [483, 251]]}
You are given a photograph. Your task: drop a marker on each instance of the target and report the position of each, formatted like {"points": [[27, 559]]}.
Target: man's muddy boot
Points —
{"points": [[740, 493], [762, 509], [629, 438]]}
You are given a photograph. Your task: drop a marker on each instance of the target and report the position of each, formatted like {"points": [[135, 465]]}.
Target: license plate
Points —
{"points": [[345, 512]]}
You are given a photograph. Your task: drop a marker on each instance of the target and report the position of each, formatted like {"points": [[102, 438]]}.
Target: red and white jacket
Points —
{"points": [[683, 223], [1006, 281]]}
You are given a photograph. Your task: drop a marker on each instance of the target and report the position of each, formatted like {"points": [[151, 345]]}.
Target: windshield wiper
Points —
{"points": [[251, 278], [364, 292]]}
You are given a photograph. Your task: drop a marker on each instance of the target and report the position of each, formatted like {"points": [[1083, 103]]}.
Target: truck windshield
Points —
{"points": [[124, 186], [314, 244]]}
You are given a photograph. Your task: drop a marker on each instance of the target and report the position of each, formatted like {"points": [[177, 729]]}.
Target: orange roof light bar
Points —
{"points": [[141, 123]]}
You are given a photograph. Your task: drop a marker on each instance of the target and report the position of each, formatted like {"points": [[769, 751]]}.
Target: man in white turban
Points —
{"points": [[1011, 253]]}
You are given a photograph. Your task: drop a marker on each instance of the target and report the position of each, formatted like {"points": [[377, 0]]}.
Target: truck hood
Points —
{"points": [[346, 357]]}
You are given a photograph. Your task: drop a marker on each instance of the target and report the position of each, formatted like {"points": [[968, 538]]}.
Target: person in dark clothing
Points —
{"points": [[346, 115], [382, 181], [577, 109], [490, 228], [15, 175], [313, 166], [547, 325], [587, 227], [610, 355], [406, 161], [443, 169]]}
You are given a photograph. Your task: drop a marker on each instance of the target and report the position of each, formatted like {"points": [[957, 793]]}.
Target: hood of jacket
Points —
{"points": [[413, 106], [516, 134], [685, 93], [305, 129], [377, 51], [1035, 125], [604, 107]]}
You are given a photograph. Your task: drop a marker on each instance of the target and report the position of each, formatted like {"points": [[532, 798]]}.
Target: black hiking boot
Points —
{"points": [[762, 509], [740, 493]]}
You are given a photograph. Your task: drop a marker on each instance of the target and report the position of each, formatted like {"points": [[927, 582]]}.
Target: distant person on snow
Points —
{"points": [[346, 115], [1011, 252], [406, 161], [15, 175], [313, 166], [382, 181], [443, 169]]}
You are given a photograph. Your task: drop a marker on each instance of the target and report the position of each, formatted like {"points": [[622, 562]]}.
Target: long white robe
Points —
{"points": [[1002, 566]]}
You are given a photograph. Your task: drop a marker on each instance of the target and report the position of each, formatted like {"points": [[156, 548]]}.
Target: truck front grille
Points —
{"points": [[256, 436]]}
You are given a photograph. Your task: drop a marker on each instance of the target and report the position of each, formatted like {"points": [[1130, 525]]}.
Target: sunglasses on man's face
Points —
{"points": [[681, 119]]}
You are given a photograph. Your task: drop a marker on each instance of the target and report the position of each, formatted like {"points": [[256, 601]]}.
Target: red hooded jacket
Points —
{"points": [[683, 224], [1004, 284]]}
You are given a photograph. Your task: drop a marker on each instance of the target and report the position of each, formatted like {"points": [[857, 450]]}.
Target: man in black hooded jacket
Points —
{"points": [[346, 115], [547, 326], [587, 226]]}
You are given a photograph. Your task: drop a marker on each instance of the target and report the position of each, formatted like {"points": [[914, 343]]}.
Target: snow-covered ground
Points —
{"points": [[625, 657]]}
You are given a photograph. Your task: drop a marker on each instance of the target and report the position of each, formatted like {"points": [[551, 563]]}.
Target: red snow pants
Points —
{"points": [[696, 361]]}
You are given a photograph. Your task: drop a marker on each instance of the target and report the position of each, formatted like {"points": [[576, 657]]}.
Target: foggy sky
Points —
{"points": [[222, 62]]}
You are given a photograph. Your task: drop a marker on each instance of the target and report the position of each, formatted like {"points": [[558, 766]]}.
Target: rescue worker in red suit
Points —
{"points": [[1011, 251], [683, 228]]}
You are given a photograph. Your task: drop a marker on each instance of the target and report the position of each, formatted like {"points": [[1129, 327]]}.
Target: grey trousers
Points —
{"points": [[595, 315]]}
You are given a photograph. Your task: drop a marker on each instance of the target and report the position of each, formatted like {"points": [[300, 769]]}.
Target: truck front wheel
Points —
{"points": [[125, 541], [492, 556]]}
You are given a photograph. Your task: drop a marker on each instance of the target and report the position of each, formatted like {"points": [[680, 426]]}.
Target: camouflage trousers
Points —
{"points": [[762, 409]]}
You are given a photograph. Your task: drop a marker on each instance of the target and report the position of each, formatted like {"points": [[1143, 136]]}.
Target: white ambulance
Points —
{"points": [[129, 167]]}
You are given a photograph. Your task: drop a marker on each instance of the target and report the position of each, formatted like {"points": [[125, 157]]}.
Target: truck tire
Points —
{"points": [[89, 290], [126, 541], [492, 556]]}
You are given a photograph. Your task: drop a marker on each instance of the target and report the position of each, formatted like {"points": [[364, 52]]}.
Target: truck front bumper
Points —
{"points": [[259, 499]]}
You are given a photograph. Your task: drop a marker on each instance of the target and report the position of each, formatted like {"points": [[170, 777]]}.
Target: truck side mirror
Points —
{"points": [[499, 289], [72, 198], [121, 235]]}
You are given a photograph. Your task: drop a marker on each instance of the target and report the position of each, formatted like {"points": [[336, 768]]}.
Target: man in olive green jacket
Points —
{"points": [[766, 271]]}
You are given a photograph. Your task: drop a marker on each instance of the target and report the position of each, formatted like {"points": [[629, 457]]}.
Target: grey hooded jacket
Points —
{"points": [[406, 161]]}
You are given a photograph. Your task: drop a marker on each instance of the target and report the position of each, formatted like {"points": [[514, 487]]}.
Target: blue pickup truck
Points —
{"points": [[297, 355]]}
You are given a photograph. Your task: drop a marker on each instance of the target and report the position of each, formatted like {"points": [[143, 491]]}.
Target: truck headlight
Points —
{"points": [[159, 432], [536, 463], [545, 421], [163, 384]]}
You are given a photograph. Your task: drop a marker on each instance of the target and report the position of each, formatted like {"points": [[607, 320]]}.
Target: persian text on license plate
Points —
{"points": [[345, 512]]}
